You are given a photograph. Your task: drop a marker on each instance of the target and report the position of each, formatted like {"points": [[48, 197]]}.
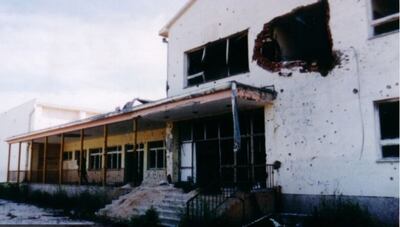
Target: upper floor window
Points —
{"points": [[389, 128], [384, 16], [218, 59]]}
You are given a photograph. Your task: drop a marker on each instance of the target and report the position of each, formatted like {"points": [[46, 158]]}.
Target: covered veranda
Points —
{"points": [[135, 144]]}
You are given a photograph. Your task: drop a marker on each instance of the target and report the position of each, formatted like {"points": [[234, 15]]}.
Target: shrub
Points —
{"points": [[149, 219], [81, 205]]}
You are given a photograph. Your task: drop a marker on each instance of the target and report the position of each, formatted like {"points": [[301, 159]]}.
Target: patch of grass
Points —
{"points": [[340, 212]]}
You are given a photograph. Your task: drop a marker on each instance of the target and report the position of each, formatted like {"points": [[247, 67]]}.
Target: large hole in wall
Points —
{"points": [[300, 38]]}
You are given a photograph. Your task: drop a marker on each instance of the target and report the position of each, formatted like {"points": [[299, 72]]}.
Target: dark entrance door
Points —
{"points": [[134, 167], [207, 162]]}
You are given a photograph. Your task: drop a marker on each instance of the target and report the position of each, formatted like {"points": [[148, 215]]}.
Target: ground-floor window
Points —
{"points": [[388, 113], [67, 155], [95, 158], [156, 155], [207, 153], [114, 157]]}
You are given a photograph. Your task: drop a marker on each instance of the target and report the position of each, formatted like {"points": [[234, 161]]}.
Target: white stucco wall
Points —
{"points": [[324, 134], [30, 116]]}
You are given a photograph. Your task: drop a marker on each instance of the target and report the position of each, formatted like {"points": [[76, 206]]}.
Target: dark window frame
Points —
{"points": [[377, 22], [156, 150], [114, 157], [230, 58], [95, 159], [386, 142]]}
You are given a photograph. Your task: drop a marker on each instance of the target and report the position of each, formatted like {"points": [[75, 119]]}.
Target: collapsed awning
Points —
{"points": [[203, 102]]}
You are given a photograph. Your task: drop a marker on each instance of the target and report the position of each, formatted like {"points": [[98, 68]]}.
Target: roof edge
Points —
{"points": [[164, 32]]}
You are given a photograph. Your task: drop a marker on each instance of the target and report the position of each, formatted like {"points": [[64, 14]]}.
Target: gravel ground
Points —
{"points": [[23, 214]]}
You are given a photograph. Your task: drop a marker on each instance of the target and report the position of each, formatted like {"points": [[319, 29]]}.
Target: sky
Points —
{"points": [[95, 54]]}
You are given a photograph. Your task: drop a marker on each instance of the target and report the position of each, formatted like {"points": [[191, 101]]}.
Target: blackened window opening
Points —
{"points": [[301, 38], [218, 59], [215, 159], [389, 128], [385, 16]]}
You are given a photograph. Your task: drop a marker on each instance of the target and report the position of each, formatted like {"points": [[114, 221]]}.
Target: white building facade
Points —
{"points": [[28, 117], [332, 127]]}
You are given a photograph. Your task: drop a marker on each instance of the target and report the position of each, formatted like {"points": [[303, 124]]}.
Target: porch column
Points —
{"points": [[19, 161], [45, 160], [61, 168], [8, 163], [236, 129], [80, 158], [104, 154], [31, 161]]}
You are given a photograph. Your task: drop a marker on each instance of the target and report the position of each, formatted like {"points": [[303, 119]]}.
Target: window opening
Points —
{"points": [[389, 128], [218, 59]]}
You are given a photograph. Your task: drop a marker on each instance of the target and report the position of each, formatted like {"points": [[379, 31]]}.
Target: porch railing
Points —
{"points": [[206, 203]]}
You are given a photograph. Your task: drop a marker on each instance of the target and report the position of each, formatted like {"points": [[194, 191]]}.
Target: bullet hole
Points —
{"points": [[397, 84], [310, 165], [302, 141], [219, 24], [282, 90], [287, 169], [335, 132], [290, 154], [388, 86], [355, 91], [391, 178], [324, 136]]}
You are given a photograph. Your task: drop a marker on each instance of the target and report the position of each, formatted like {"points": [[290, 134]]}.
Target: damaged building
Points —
{"points": [[291, 103]]}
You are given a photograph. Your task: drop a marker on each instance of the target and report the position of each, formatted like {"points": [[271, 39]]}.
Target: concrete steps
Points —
{"points": [[169, 202]]}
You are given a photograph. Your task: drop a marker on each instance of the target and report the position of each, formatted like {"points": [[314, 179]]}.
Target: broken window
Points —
{"points": [[95, 158], [219, 59], [300, 38], [156, 155], [77, 156], [389, 128], [213, 157], [114, 157], [385, 16]]}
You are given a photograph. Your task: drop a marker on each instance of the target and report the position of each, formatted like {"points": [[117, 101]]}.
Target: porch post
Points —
{"points": [[19, 161], [80, 158], [104, 162], [30, 162], [45, 160], [236, 129], [8, 163], [61, 168]]}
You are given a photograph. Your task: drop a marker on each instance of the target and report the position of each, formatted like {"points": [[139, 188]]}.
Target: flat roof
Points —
{"points": [[157, 109]]}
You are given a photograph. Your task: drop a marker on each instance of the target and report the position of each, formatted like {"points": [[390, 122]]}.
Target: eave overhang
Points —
{"points": [[203, 102]]}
